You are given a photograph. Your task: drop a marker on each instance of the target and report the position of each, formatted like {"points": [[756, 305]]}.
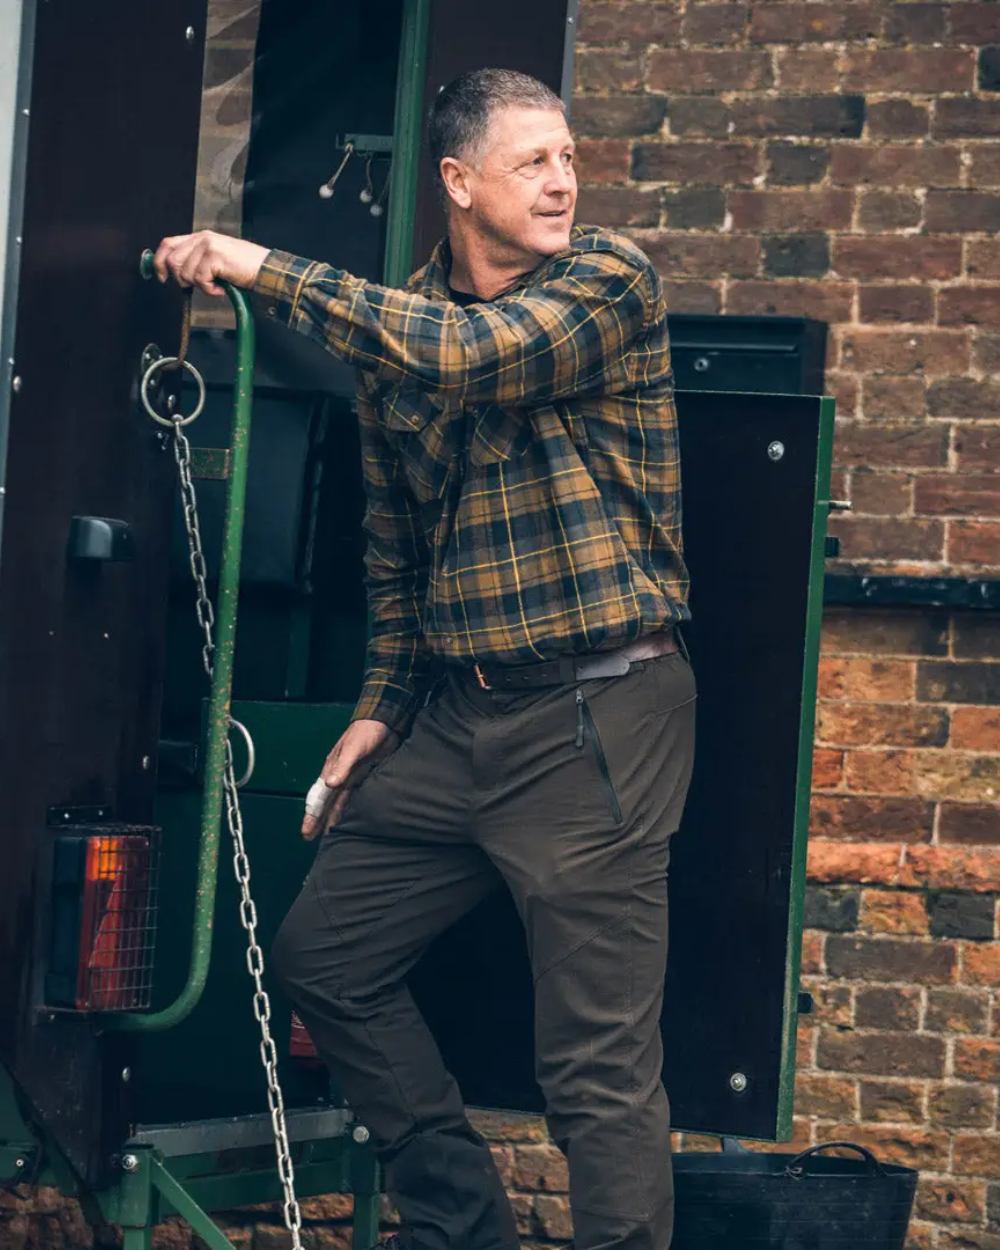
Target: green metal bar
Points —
{"points": [[803, 781], [221, 687], [366, 1177], [186, 1207], [407, 139]]}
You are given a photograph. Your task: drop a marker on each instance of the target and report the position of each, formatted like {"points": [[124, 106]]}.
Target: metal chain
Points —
{"points": [[241, 864]]}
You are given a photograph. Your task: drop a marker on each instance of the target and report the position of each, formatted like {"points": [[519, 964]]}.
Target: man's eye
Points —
{"points": [[567, 158]]}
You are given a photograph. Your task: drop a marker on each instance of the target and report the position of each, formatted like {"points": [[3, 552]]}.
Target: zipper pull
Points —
{"points": [[579, 717]]}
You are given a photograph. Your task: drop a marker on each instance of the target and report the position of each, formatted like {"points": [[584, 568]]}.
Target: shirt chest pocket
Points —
{"points": [[498, 433], [423, 437]]}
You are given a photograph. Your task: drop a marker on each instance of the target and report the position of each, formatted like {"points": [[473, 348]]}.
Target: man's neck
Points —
{"points": [[479, 269]]}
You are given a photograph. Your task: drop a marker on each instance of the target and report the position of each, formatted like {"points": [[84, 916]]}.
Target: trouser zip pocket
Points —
{"points": [[587, 729]]}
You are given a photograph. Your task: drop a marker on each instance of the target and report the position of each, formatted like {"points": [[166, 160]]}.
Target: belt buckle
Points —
{"points": [[483, 683]]}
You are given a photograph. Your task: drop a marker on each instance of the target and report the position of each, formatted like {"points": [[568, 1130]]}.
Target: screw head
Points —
{"points": [[360, 1134], [738, 1082], [775, 450], [20, 1162], [126, 1075], [189, 34], [130, 1163], [15, 385], [145, 763]]}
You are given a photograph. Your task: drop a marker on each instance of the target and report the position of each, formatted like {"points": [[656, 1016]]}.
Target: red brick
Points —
{"points": [[694, 208], [975, 23], [976, 728], [962, 211], [970, 823], [603, 160], [984, 165], [956, 775], [845, 390], [891, 446], [976, 636], [889, 210], [619, 206], [855, 862], [952, 1010], [881, 494], [888, 256], [703, 115], [974, 542], [832, 1004], [886, 538], [881, 724], [976, 1155], [907, 304], [895, 1102], [921, 70], [791, 210], [715, 23], [604, 69], [963, 1106], [896, 165], [701, 255], [638, 24], [866, 679], [812, 952], [827, 301], [893, 911], [828, 768], [876, 1054], [980, 963], [680, 69], [812, 116], [931, 352], [897, 119], [807, 69], [886, 632], [831, 1097], [891, 959], [970, 305], [541, 1167], [714, 164], [865, 818], [618, 116], [694, 297], [962, 116], [888, 398], [915, 23], [958, 397], [816, 22], [948, 1200], [951, 494], [982, 258], [977, 448], [879, 772], [887, 1007], [553, 1217], [976, 1059], [947, 868]]}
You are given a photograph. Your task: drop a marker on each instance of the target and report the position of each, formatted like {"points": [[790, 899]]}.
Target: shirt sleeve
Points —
{"points": [[396, 576], [564, 336]]}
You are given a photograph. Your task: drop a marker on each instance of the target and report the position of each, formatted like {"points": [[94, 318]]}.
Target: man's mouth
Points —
{"points": [[555, 213]]}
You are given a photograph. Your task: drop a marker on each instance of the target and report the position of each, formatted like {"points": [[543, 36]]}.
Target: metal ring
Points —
{"points": [[147, 377], [251, 752]]}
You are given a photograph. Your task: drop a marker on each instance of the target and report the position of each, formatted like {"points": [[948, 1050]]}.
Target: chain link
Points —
{"points": [[241, 864]]}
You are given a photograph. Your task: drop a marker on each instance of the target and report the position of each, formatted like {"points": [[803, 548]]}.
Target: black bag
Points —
{"points": [[740, 1200]]}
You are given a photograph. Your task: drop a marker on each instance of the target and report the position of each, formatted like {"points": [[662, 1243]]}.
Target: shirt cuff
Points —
{"points": [[387, 702], [280, 281]]}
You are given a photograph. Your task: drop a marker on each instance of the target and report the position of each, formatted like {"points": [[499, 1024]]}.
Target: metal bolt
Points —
{"points": [[126, 1075], [145, 763], [16, 385], [702, 364], [20, 1162], [130, 1163], [189, 34], [738, 1082], [775, 450], [361, 1134]]}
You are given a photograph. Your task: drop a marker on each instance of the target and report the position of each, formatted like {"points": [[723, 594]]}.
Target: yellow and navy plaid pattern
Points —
{"points": [[520, 457]]}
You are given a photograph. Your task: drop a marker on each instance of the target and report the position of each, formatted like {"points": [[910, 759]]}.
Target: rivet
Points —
{"points": [[20, 1162], [145, 763], [189, 34], [130, 1163], [738, 1082], [775, 450], [126, 1075], [16, 385], [361, 1134]]}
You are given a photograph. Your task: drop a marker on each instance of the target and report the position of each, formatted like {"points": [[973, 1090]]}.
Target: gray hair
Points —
{"points": [[461, 113]]}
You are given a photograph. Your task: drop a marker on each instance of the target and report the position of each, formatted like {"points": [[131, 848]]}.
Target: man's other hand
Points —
{"points": [[362, 745], [202, 259]]}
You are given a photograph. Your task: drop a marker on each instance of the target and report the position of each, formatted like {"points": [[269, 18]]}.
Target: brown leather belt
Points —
{"points": [[572, 668]]}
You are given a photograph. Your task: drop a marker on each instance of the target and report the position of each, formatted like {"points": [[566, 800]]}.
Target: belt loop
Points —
{"points": [[568, 675], [483, 683], [681, 643]]}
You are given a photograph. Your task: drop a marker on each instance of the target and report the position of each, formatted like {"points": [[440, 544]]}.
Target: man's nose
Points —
{"points": [[561, 180]]}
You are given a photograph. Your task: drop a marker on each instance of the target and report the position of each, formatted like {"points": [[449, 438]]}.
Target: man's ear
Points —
{"points": [[455, 176]]}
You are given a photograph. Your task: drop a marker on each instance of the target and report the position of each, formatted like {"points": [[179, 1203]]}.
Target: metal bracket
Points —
{"points": [[367, 145]]}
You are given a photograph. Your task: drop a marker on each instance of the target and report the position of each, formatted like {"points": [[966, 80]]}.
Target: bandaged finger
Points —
{"points": [[318, 798]]}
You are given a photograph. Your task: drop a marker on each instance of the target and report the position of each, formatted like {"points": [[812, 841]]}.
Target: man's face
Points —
{"points": [[522, 191]]}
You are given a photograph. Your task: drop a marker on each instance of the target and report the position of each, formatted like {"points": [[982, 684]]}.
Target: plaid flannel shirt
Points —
{"points": [[520, 459]]}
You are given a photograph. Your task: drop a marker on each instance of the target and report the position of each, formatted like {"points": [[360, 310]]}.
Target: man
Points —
{"points": [[525, 574]]}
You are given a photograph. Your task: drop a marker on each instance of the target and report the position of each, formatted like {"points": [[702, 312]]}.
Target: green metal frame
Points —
{"points": [[222, 679], [803, 783], [406, 141]]}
